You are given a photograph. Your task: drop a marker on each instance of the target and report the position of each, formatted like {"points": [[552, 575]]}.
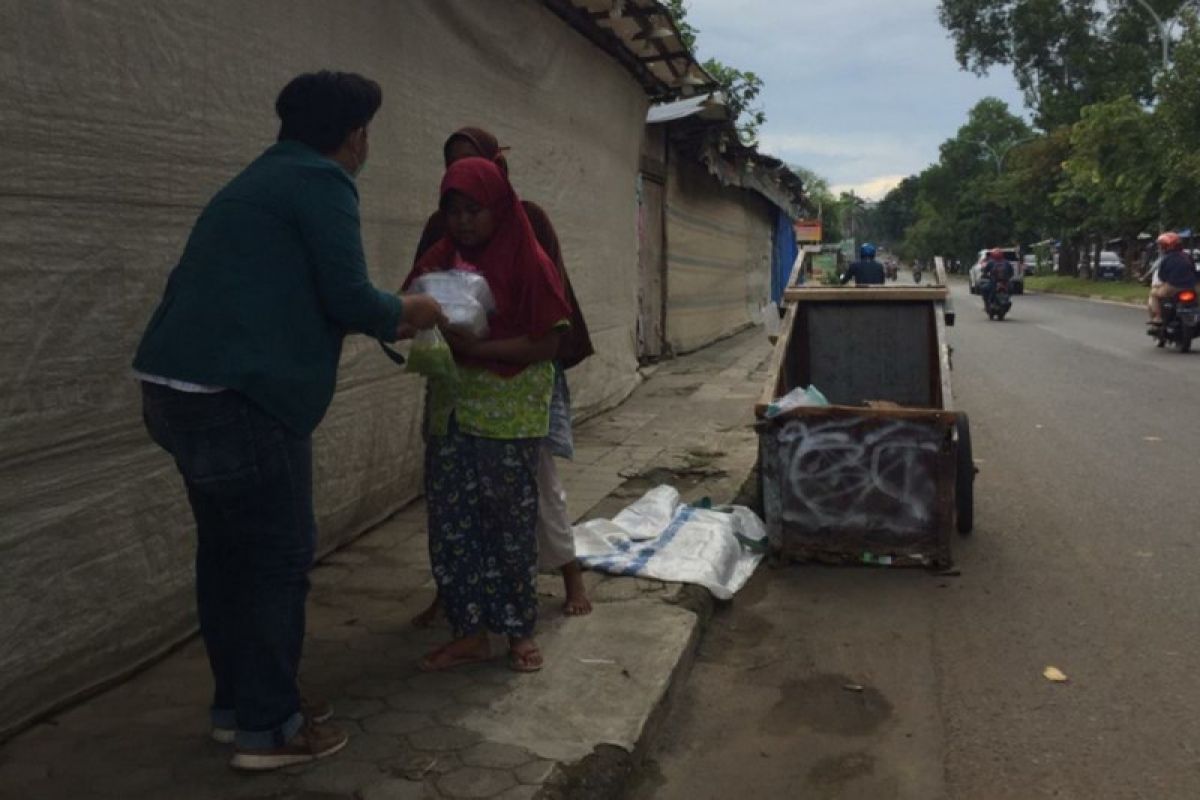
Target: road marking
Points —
{"points": [[1152, 438]]}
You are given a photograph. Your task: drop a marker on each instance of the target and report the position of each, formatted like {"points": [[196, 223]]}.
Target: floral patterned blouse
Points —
{"points": [[488, 405]]}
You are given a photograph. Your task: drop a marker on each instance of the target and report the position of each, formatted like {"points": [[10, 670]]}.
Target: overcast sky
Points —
{"points": [[860, 91]]}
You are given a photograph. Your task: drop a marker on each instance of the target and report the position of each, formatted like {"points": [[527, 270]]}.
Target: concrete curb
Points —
{"points": [[606, 774]]}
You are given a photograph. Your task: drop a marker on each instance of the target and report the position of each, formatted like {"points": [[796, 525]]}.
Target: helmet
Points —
{"points": [[1170, 241], [996, 253], [867, 250]]}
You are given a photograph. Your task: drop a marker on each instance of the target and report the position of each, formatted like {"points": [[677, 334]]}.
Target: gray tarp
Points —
{"points": [[718, 256], [118, 119]]}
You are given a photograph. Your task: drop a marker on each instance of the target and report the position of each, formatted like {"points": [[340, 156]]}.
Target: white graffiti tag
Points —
{"points": [[859, 474]]}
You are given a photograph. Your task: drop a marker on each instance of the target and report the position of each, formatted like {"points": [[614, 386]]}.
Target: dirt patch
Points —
{"points": [[676, 391], [838, 770], [828, 704], [602, 775], [682, 478]]}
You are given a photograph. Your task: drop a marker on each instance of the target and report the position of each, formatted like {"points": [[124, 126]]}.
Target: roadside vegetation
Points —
{"points": [[1121, 291], [1112, 150]]}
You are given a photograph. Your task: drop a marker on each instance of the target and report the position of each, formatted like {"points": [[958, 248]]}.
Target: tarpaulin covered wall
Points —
{"points": [[718, 255], [118, 120]]}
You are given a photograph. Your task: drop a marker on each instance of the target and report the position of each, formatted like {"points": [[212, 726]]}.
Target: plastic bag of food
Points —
{"points": [[465, 298], [431, 356]]}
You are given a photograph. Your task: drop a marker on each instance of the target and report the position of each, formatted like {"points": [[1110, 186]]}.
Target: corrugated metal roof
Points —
{"points": [[641, 34], [709, 106]]}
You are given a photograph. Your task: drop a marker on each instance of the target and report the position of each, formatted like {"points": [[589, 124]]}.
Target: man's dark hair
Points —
{"points": [[321, 108]]}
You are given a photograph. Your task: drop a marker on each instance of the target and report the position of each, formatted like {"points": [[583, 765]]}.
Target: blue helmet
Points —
{"points": [[867, 250]]}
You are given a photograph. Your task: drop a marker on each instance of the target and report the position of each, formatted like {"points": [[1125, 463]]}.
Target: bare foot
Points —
{"points": [[577, 603], [524, 655], [427, 617], [467, 650]]}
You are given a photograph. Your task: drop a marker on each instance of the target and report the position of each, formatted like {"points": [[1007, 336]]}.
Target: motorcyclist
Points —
{"points": [[866, 271], [994, 270], [1176, 272]]}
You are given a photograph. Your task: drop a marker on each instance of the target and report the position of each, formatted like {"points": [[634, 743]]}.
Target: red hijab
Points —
{"points": [[529, 293]]}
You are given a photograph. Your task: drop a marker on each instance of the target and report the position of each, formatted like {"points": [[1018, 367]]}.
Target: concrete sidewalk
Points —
{"points": [[572, 730]]}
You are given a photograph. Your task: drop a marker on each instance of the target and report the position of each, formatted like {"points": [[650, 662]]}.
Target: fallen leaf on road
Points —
{"points": [[1055, 674], [852, 687]]}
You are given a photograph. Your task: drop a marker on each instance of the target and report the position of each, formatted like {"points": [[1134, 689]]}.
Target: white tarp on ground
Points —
{"points": [[660, 537], [718, 256], [118, 120]]}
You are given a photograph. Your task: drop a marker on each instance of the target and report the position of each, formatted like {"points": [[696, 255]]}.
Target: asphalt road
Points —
{"points": [[872, 683]]}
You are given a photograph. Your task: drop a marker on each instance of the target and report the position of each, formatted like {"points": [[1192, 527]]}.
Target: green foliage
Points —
{"points": [[741, 88], [1065, 54], [1178, 128], [1115, 168]]}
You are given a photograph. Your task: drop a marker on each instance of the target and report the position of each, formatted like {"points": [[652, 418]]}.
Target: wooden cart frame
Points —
{"points": [[884, 474]]}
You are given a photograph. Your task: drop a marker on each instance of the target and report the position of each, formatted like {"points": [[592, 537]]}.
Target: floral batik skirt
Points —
{"points": [[481, 496]]}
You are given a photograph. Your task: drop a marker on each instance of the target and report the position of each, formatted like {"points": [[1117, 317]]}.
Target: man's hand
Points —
{"points": [[421, 312]]}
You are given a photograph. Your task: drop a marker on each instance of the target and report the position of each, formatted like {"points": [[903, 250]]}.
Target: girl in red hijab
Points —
{"points": [[556, 542], [486, 426]]}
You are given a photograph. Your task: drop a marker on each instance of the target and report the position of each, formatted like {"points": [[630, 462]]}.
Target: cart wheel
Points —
{"points": [[964, 478]]}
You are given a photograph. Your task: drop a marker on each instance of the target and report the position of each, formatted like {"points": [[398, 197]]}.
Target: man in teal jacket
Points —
{"points": [[238, 366]]}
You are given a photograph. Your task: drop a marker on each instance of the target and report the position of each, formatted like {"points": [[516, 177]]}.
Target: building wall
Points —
{"points": [[118, 120], [718, 255]]}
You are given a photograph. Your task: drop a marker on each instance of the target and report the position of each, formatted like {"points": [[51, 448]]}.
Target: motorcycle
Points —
{"points": [[1180, 321], [997, 301]]}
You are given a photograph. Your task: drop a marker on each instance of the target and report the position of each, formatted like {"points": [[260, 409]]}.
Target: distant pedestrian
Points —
{"points": [[556, 542], [485, 427], [866, 271], [238, 366]]}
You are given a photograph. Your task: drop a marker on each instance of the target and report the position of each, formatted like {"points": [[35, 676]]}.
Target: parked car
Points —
{"points": [[1111, 267], [1016, 285], [1029, 264]]}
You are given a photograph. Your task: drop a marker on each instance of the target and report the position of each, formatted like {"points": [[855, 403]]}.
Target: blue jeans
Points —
{"points": [[249, 482]]}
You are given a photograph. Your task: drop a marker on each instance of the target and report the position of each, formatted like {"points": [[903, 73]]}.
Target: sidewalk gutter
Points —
{"points": [[575, 730]]}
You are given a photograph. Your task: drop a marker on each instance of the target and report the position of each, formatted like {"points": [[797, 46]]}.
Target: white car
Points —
{"points": [[1016, 285]]}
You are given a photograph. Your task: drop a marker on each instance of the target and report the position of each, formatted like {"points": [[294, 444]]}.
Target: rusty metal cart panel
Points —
{"points": [[877, 476]]}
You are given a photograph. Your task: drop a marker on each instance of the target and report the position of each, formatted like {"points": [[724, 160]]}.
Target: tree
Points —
{"points": [[1177, 123], [821, 198], [741, 88], [1065, 54], [1115, 169], [961, 205]]}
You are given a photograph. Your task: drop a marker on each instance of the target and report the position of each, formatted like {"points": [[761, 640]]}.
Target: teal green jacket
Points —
{"points": [[271, 280]]}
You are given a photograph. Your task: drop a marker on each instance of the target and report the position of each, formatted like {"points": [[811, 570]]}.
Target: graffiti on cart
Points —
{"points": [[842, 474]]}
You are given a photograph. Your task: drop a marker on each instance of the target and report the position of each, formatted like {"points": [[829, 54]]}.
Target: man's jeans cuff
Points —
{"points": [[224, 718], [258, 740]]}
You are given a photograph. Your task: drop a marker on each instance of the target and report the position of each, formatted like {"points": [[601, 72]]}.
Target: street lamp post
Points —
{"points": [[1164, 29], [999, 154]]}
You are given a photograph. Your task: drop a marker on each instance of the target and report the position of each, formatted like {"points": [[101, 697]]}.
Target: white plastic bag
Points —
{"points": [[796, 398], [465, 298]]}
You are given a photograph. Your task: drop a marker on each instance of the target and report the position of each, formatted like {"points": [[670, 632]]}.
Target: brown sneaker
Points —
{"points": [[315, 709], [311, 742]]}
